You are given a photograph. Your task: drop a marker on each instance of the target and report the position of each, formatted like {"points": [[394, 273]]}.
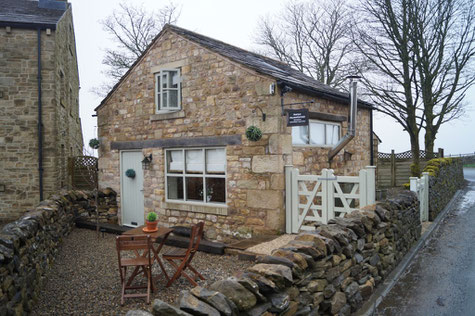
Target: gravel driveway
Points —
{"points": [[84, 280]]}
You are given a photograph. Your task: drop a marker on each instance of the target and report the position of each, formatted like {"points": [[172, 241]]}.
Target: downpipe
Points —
{"points": [[40, 121], [351, 132]]}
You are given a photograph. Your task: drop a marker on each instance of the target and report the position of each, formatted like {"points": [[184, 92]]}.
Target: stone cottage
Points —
{"points": [[39, 111], [172, 134]]}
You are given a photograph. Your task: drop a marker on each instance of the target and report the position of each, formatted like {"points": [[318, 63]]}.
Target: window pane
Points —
{"points": [[173, 98], [164, 99], [194, 161], [173, 79], [194, 189], [164, 79], [299, 135], [175, 188], [317, 133], [336, 134], [157, 88], [215, 161], [175, 161], [332, 134], [216, 190]]}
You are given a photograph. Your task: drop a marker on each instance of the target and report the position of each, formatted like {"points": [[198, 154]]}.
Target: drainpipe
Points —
{"points": [[40, 121], [350, 134], [371, 144]]}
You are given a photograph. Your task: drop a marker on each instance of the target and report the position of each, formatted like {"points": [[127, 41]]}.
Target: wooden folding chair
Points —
{"points": [[180, 259], [142, 262]]}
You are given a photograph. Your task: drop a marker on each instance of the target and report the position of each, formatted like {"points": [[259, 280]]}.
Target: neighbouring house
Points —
{"points": [[39, 111], [172, 135]]}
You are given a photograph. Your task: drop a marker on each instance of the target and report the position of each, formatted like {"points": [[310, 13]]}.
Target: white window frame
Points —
{"points": [[204, 175], [159, 91], [325, 123]]}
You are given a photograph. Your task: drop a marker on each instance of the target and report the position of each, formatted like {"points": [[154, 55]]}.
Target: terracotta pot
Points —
{"points": [[151, 225]]}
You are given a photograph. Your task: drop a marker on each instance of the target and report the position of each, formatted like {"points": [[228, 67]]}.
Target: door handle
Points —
{"points": [[141, 190]]}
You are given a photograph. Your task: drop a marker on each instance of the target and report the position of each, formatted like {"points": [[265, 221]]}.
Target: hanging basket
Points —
{"points": [[130, 173], [94, 143], [253, 133]]}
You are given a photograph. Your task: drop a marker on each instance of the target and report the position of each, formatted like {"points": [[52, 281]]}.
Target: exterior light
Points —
{"points": [[147, 162]]}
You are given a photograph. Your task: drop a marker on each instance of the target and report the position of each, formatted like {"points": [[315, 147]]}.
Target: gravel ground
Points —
{"points": [[84, 280], [266, 248]]}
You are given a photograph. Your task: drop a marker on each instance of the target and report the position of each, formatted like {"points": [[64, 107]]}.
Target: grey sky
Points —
{"points": [[233, 22]]}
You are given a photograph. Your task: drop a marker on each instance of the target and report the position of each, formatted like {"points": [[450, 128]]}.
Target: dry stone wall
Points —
{"points": [[329, 271], [445, 178], [28, 246]]}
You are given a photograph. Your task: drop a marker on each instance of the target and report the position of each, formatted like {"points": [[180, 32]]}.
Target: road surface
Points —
{"points": [[441, 279]]}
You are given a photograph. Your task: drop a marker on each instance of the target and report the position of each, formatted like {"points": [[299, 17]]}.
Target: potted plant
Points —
{"points": [[151, 222]]}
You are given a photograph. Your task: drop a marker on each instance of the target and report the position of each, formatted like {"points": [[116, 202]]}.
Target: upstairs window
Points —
{"points": [[168, 90], [317, 133]]}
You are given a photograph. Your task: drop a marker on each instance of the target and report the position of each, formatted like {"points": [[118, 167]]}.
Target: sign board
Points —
{"points": [[297, 117]]}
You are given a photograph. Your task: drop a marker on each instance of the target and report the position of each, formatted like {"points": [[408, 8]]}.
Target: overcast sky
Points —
{"points": [[233, 22]]}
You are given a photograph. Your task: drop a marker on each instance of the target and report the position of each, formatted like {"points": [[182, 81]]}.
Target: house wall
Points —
{"points": [[219, 97], [311, 160], [19, 117]]}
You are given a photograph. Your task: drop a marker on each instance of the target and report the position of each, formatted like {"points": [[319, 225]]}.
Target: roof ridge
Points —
{"points": [[175, 27]]}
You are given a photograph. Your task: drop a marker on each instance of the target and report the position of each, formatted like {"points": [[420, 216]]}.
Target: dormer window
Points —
{"points": [[168, 90]]}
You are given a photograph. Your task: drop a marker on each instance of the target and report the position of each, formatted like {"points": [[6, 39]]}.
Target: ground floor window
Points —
{"points": [[196, 175], [317, 133]]}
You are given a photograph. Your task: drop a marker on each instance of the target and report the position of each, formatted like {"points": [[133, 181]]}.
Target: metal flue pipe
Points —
{"points": [[351, 132]]}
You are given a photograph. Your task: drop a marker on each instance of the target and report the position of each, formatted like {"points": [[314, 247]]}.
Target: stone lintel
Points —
{"points": [[179, 142]]}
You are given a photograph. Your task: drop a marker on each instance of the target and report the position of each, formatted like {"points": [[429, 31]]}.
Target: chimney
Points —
{"points": [[350, 134]]}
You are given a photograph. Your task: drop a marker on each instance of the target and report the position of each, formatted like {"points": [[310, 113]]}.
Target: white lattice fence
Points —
{"points": [[312, 198]]}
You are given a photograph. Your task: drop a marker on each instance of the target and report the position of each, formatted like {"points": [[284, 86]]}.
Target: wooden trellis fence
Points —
{"points": [[83, 172]]}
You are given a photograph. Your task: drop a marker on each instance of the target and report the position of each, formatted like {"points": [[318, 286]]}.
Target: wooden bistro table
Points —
{"points": [[159, 237]]}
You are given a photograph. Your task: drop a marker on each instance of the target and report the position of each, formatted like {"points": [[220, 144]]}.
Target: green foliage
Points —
{"points": [[130, 173], [253, 133], [433, 166], [94, 143], [152, 217], [406, 186]]}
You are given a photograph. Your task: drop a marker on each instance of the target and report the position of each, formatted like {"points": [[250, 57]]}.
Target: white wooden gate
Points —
{"points": [[421, 187], [312, 198]]}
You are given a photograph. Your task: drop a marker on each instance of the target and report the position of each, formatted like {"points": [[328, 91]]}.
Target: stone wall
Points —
{"points": [[19, 179], [445, 178], [28, 246], [330, 271], [219, 97]]}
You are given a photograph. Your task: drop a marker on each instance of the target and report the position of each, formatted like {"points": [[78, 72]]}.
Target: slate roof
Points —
{"points": [[27, 13], [280, 71]]}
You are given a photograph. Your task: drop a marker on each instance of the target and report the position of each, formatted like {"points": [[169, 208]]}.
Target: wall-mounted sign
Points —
{"points": [[297, 117]]}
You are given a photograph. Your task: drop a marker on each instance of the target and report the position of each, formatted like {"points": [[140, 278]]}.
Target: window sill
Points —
{"points": [[167, 115], [313, 146], [216, 209]]}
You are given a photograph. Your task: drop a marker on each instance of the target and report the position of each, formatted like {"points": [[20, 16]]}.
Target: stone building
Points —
{"points": [[39, 84], [186, 104]]}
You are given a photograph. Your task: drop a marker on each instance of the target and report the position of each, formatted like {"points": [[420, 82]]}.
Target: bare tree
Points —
{"points": [[133, 28], [313, 37], [419, 52], [444, 41], [382, 35]]}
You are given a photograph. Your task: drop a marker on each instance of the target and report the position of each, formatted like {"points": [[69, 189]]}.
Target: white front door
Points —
{"points": [[132, 201]]}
